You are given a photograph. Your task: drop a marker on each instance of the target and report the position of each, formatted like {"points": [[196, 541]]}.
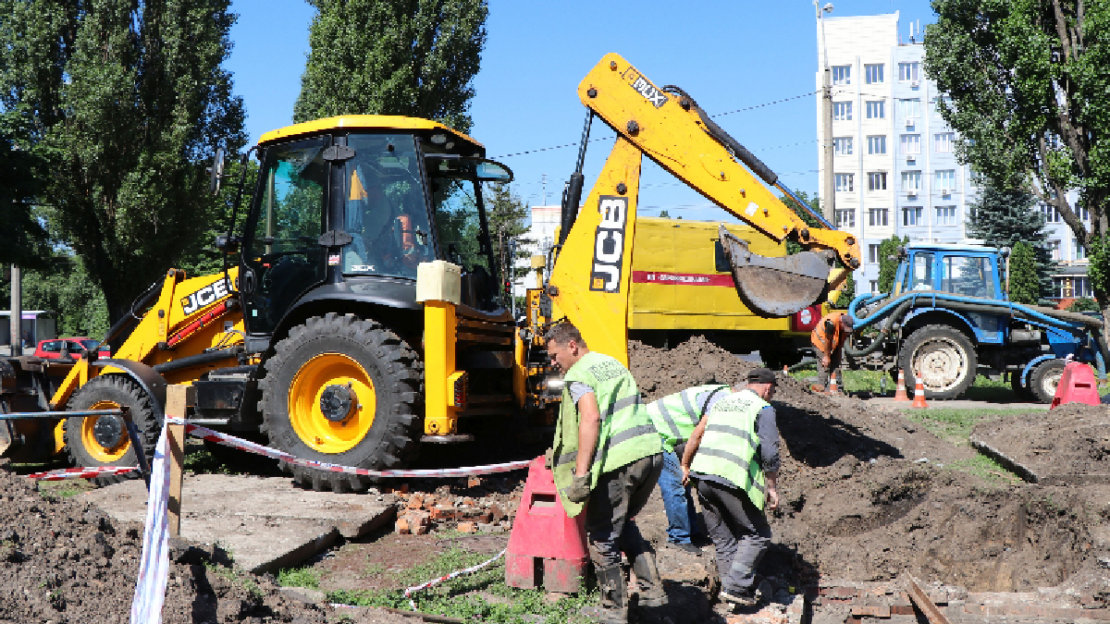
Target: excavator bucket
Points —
{"points": [[774, 287]]}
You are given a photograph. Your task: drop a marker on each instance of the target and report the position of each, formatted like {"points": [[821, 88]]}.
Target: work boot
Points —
{"points": [[614, 599], [651, 586]]}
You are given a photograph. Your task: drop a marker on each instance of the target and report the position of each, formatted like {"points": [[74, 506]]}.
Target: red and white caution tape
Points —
{"points": [[413, 590], [80, 473], [252, 447]]}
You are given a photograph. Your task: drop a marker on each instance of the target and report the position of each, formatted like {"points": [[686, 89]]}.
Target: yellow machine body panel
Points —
{"points": [[364, 122], [681, 281]]}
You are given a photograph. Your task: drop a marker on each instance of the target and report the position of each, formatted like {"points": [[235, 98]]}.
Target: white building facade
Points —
{"points": [[894, 163]]}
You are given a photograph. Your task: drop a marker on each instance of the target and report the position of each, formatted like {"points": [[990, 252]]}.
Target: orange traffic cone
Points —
{"points": [[919, 394], [900, 390], [785, 369], [833, 390]]}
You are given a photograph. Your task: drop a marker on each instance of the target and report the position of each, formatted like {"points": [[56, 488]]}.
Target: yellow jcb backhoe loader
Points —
{"points": [[362, 320]]}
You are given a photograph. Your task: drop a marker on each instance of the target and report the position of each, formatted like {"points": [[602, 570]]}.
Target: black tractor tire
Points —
{"points": [[108, 392], [395, 371], [1044, 378], [1024, 393], [945, 358]]}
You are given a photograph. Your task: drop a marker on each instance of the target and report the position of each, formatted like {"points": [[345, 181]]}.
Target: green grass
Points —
{"points": [[234, 576], [985, 468], [983, 389], [955, 425], [299, 577], [459, 597]]}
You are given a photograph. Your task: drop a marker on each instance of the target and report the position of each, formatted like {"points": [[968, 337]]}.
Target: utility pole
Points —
{"points": [[828, 186], [16, 319]]}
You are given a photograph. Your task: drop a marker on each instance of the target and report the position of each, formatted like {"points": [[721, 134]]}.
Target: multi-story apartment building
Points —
{"points": [[894, 165]]}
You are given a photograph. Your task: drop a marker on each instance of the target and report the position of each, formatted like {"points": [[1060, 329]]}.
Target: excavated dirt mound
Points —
{"points": [[868, 494], [62, 561], [1072, 439]]}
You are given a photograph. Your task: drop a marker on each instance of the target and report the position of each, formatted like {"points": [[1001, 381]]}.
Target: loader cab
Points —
{"points": [[347, 208]]}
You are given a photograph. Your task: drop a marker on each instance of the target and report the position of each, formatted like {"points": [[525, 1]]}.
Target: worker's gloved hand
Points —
{"points": [[549, 459], [578, 490]]}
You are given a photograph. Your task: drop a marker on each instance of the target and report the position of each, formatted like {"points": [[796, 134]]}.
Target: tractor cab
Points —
{"points": [[965, 270], [348, 207]]}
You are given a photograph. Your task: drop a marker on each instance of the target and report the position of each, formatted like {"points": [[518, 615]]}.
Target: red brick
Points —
{"points": [[443, 512], [901, 609], [872, 611], [402, 525], [404, 489], [468, 527], [485, 518], [415, 502], [420, 529], [497, 513], [473, 482]]}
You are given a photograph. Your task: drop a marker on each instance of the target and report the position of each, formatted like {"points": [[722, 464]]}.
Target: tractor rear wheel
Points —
{"points": [[945, 359], [103, 440], [342, 390]]}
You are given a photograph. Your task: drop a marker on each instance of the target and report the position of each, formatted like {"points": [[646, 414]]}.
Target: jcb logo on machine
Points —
{"points": [[609, 245], [644, 87], [209, 294]]}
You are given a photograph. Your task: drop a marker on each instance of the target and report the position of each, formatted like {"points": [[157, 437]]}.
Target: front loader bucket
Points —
{"points": [[774, 287]]}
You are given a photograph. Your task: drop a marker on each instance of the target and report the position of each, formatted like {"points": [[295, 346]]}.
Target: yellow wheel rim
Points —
{"points": [[88, 436], [343, 431]]}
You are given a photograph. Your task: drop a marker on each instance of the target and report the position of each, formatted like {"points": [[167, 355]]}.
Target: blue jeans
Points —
{"points": [[676, 501]]}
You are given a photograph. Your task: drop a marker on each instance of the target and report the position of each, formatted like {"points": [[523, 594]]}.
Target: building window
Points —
{"points": [[1054, 250], [1084, 214], [946, 215], [876, 110], [1051, 215], [942, 99], [873, 74], [911, 144], [946, 181], [842, 74], [911, 182], [908, 72], [1078, 252], [846, 218], [872, 253], [1081, 286], [911, 215], [842, 111], [877, 216], [876, 181], [1072, 287], [874, 287], [876, 145], [942, 142], [843, 146], [910, 109], [845, 182]]}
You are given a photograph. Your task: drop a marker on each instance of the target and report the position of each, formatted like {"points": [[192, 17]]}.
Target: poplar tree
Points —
{"points": [[123, 101], [1025, 285], [393, 57], [888, 261]]}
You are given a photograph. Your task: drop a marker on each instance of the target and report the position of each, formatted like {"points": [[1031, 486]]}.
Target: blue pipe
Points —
{"points": [[935, 296]]}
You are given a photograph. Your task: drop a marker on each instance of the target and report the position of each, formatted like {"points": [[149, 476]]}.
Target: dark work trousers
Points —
{"points": [[833, 369], [739, 531], [614, 502]]}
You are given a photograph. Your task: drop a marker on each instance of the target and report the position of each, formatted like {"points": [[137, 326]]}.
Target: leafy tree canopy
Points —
{"points": [[888, 261], [1028, 85], [393, 57], [123, 100], [1025, 285]]}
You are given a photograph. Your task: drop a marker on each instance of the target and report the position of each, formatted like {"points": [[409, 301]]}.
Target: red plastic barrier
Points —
{"points": [[545, 547], [1077, 385]]}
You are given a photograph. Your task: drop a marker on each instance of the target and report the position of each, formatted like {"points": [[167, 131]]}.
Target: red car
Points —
{"points": [[77, 347]]}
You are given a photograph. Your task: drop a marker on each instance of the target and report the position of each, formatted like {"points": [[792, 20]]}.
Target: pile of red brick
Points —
{"points": [[421, 512]]}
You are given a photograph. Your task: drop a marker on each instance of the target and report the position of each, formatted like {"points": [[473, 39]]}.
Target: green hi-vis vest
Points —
{"points": [[676, 415], [626, 433], [729, 445]]}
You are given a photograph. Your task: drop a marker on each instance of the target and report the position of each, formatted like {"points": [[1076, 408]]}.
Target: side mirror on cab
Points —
{"points": [[216, 171]]}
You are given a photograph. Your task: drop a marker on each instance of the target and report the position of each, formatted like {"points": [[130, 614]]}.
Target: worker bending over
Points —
{"points": [[607, 457], [833, 331], [675, 416], [733, 456]]}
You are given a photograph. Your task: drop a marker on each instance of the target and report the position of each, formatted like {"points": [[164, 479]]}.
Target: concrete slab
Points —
{"points": [[266, 523], [961, 404]]}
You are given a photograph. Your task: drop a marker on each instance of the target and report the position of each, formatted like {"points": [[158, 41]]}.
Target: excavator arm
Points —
{"points": [[590, 280]]}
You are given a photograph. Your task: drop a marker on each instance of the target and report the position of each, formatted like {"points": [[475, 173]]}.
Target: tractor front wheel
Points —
{"points": [[103, 440], [1045, 378], [342, 390]]}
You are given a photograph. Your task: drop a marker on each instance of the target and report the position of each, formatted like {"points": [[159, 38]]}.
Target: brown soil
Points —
{"points": [[1073, 439]]}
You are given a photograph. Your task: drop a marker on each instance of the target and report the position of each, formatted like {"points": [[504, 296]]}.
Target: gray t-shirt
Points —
{"points": [[577, 390]]}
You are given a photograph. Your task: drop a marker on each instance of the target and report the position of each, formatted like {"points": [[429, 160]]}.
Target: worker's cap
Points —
{"points": [[847, 321], [762, 375]]}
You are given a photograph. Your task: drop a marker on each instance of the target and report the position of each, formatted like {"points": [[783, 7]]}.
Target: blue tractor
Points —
{"points": [[948, 318]]}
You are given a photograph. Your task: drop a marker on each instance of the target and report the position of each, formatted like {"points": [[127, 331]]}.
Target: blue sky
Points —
{"points": [[729, 55]]}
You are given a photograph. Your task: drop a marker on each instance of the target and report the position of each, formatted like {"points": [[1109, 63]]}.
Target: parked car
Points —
{"points": [[77, 347]]}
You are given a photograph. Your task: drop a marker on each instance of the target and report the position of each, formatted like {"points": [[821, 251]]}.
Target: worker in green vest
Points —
{"points": [[733, 456], [675, 416], [606, 458]]}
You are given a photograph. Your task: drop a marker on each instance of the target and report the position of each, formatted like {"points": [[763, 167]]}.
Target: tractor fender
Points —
{"points": [[1031, 365], [938, 316], [152, 383]]}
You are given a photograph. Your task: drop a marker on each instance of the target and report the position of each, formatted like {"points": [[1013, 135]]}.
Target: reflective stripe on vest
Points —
{"points": [[626, 433], [676, 415], [730, 444]]}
